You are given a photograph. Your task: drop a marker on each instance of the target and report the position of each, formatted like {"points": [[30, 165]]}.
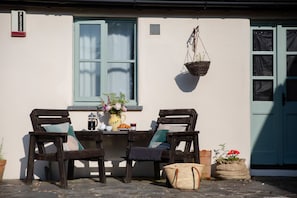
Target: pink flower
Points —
{"points": [[108, 107]]}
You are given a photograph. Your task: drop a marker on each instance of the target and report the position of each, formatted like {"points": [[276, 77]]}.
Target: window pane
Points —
{"points": [[106, 59], [262, 40], [292, 65], [263, 65], [89, 41], [121, 79], [120, 40], [291, 40], [291, 90], [263, 90], [89, 79]]}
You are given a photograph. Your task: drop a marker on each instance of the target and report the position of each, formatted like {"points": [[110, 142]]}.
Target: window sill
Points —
{"points": [[95, 108]]}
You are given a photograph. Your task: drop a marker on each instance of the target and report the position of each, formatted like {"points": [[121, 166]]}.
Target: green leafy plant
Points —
{"points": [[224, 156], [115, 104]]}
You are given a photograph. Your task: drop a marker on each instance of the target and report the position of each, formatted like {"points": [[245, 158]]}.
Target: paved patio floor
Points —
{"points": [[256, 187]]}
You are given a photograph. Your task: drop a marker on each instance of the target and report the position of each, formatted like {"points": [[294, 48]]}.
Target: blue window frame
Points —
{"points": [[104, 59]]}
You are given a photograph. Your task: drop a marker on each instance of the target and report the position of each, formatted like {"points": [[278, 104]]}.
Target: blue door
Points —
{"points": [[273, 95]]}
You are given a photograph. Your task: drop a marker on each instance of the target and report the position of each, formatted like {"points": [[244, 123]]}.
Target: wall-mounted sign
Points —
{"points": [[18, 23]]}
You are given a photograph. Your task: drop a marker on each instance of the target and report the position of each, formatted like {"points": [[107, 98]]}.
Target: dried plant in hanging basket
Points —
{"points": [[198, 68], [196, 64]]}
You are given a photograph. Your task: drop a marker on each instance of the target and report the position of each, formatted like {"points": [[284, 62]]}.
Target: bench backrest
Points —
{"points": [[40, 117], [178, 117], [178, 120]]}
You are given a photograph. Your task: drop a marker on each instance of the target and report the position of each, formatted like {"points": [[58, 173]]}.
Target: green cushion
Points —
{"points": [[72, 142], [159, 138]]}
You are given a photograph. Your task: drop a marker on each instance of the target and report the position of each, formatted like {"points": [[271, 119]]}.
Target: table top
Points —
{"points": [[125, 132], [115, 132]]}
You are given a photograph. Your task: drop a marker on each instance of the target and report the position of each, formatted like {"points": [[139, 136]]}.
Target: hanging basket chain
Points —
{"points": [[193, 41], [203, 47]]}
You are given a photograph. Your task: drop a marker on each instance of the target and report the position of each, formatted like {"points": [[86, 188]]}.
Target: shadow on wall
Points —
{"points": [[186, 81], [266, 134], [274, 130], [273, 137], [40, 169], [24, 160]]}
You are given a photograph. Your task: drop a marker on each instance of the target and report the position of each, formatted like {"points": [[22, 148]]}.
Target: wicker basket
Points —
{"points": [[198, 68], [234, 170]]}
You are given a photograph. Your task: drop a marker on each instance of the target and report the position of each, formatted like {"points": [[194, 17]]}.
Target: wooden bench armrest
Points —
{"points": [[139, 138], [135, 135], [42, 136], [182, 133], [176, 137]]}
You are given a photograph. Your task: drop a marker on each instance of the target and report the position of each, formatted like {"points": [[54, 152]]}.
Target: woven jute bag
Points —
{"points": [[184, 175]]}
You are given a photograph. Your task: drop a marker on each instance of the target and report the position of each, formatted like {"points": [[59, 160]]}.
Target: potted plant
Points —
{"points": [[229, 165], [2, 161], [196, 63]]}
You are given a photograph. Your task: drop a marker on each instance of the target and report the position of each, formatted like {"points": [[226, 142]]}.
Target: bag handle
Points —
{"points": [[198, 176], [175, 176], [192, 168]]}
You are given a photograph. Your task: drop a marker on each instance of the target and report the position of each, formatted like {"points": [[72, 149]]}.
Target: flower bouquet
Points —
{"points": [[115, 104]]}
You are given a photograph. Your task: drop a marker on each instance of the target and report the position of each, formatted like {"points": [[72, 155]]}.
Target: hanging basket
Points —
{"points": [[195, 62], [198, 68]]}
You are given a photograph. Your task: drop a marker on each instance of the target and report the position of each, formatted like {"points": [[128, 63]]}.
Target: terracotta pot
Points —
{"points": [[2, 167], [205, 159]]}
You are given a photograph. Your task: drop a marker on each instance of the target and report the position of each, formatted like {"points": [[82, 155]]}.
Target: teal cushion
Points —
{"points": [[159, 139], [72, 142], [59, 128]]}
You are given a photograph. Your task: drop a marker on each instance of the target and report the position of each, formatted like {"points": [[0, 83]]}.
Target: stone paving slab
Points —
{"points": [[256, 187]]}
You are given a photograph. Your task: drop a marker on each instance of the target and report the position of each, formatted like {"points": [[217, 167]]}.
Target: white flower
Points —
{"points": [[118, 106]]}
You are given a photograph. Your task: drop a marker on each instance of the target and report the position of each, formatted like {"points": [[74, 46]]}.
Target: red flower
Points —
{"points": [[233, 152]]}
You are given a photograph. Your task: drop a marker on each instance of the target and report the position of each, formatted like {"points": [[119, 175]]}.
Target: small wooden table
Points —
{"points": [[115, 145]]}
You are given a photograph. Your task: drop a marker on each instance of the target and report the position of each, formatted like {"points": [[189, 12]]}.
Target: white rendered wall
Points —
{"points": [[36, 72], [221, 97]]}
